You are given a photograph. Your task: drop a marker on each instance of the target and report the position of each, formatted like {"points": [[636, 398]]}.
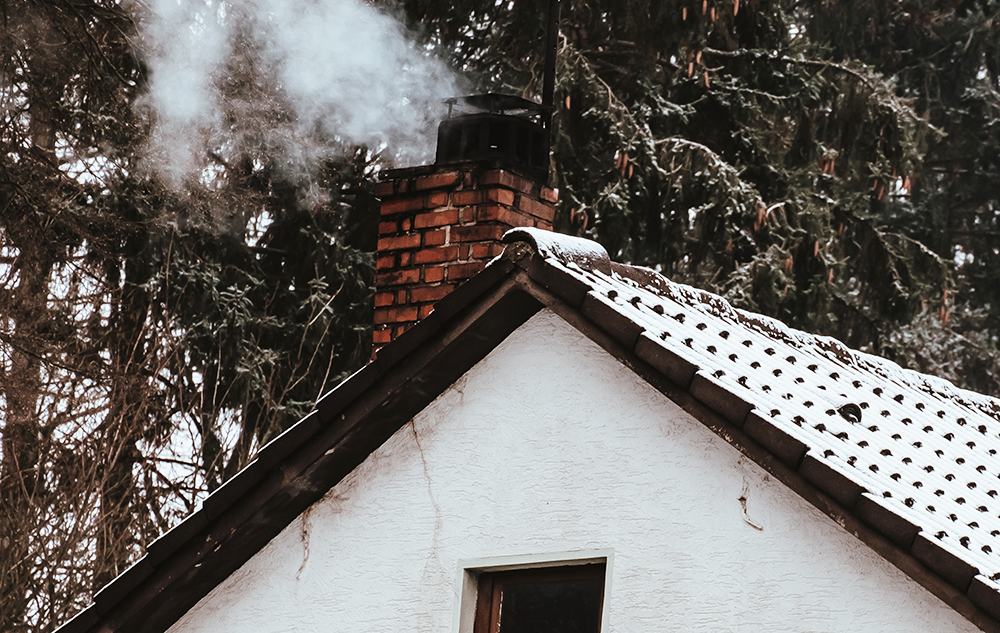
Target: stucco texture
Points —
{"points": [[550, 445]]}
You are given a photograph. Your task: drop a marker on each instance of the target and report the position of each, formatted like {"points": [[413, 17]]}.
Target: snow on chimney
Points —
{"points": [[441, 224]]}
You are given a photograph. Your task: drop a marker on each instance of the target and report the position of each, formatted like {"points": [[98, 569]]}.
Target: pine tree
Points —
{"points": [[822, 163], [154, 337]]}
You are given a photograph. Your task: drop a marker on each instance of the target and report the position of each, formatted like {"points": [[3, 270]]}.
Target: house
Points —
{"points": [[636, 451]]}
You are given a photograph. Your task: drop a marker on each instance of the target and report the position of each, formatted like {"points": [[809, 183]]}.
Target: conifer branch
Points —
{"points": [[791, 60]]}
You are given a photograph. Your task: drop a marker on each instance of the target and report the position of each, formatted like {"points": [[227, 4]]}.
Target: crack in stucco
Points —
{"points": [[743, 504], [427, 475], [438, 518], [305, 530], [459, 388]]}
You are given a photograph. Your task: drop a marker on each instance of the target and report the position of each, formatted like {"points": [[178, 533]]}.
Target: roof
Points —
{"points": [[905, 461]]}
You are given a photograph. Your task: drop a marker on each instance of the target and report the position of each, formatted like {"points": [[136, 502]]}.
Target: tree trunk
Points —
{"points": [[20, 475], [126, 419]]}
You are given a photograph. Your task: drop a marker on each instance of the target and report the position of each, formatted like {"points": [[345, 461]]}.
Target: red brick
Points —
{"points": [[464, 271], [396, 315], [381, 337], [526, 186], [538, 209], [433, 274], [409, 313], [445, 179], [467, 214], [436, 238], [399, 329], [386, 188], [398, 242], [397, 277], [436, 200], [465, 198], [477, 233], [486, 214], [430, 293], [436, 218], [486, 251], [549, 195], [503, 196], [505, 179], [436, 255], [401, 297], [508, 217], [405, 224], [401, 205], [384, 228], [425, 310], [511, 181], [385, 262], [463, 251], [383, 299]]}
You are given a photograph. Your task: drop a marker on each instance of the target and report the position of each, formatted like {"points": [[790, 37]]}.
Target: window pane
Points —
{"points": [[551, 606]]}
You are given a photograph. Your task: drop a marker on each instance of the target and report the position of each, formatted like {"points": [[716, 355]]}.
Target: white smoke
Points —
{"points": [[287, 78], [186, 44]]}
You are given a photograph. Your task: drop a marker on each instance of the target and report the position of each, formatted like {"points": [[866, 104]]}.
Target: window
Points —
{"points": [[541, 600]]}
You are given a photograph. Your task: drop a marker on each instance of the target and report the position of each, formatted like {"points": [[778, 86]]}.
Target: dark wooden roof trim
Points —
{"points": [[82, 621], [114, 591], [296, 435], [346, 392], [298, 467]]}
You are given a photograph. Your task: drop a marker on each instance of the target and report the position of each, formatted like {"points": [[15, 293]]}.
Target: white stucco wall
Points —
{"points": [[550, 445]]}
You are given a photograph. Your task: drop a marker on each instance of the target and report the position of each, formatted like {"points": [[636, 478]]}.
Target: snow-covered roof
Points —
{"points": [[912, 455]]}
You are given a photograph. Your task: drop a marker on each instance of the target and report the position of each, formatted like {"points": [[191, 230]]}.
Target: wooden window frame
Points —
{"points": [[490, 588]]}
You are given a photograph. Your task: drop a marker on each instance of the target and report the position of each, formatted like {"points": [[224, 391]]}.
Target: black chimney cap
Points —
{"points": [[494, 103]]}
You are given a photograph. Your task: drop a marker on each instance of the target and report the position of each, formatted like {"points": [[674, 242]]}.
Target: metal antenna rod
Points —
{"points": [[549, 80]]}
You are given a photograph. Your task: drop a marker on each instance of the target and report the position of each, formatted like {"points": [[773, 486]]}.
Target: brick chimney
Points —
{"points": [[440, 225]]}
